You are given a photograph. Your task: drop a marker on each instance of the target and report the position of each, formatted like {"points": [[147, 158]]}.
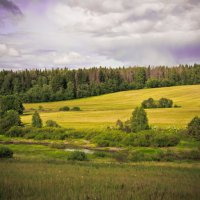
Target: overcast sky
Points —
{"points": [[87, 33]]}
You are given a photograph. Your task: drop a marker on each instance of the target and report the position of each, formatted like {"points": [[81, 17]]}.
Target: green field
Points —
{"points": [[102, 111]]}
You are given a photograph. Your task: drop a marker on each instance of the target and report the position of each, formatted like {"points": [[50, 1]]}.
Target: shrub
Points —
{"points": [[128, 140], [158, 138], [165, 103], [36, 120], [51, 123], [100, 154], [45, 133], [15, 131], [78, 155], [149, 103], [143, 140], [193, 128], [50, 133], [9, 119], [165, 140], [108, 139], [5, 152], [161, 103], [75, 109], [139, 120], [65, 108]]}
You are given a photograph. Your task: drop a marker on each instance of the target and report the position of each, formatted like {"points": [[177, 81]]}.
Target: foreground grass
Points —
{"points": [[105, 110], [28, 180]]}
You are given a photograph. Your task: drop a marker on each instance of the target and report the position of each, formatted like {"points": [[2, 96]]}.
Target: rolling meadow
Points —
{"points": [[105, 110]]}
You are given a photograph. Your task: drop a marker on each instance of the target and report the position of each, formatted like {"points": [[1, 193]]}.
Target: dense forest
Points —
{"points": [[61, 84]]}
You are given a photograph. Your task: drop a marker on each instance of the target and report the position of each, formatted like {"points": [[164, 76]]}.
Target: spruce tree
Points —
{"points": [[36, 120], [194, 127], [139, 120]]}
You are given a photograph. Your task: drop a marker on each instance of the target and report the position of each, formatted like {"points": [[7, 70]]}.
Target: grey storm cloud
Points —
{"points": [[11, 7]]}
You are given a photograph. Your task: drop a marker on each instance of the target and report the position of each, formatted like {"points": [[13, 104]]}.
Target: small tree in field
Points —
{"points": [[194, 128], [119, 124], [36, 120], [139, 120]]}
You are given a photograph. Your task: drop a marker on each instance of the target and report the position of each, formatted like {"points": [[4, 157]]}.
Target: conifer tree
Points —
{"points": [[139, 120], [36, 120]]}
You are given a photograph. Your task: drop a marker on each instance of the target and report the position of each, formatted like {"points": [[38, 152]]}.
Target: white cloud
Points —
{"points": [[8, 51], [72, 58]]}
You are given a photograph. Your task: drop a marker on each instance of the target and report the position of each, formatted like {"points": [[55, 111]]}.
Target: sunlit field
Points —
{"points": [[105, 110]]}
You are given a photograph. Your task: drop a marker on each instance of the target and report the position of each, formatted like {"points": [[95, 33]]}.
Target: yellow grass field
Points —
{"points": [[105, 110]]}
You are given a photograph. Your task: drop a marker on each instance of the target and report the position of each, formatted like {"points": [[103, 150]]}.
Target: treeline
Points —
{"points": [[61, 84]]}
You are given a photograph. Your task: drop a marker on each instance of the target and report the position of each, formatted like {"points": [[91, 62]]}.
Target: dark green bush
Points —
{"points": [[77, 155], [65, 108], [51, 123], [165, 103], [161, 103], [75, 109], [50, 133], [108, 139], [157, 137], [15, 131], [149, 103], [161, 155], [165, 140], [90, 135], [100, 154], [129, 140], [5, 152], [45, 133], [9, 119], [74, 134]]}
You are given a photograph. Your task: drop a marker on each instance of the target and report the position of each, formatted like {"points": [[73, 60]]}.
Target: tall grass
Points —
{"points": [[29, 180]]}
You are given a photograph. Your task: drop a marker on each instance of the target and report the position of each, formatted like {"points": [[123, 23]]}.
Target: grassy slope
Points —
{"points": [[102, 111]]}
